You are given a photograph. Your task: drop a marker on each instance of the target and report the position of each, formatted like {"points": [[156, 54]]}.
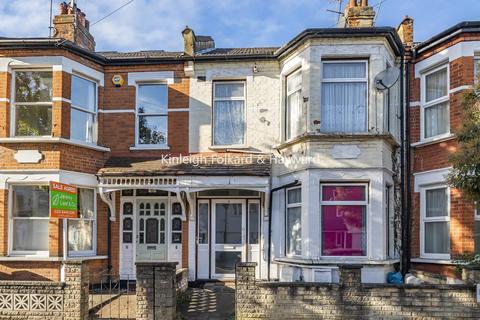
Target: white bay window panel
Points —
{"points": [[435, 103], [294, 105], [344, 97], [229, 113], [293, 223], [476, 69], [435, 229], [32, 103], [83, 116], [81, 231], [29, 220], [152, 114]]}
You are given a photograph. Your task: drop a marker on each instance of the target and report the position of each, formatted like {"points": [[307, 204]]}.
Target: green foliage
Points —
{"points": [[466, 160]]}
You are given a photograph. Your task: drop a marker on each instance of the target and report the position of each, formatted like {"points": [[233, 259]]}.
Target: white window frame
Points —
{"points": [[476, 69], [425, 104], [342, 80], [287, 95], [24, 253], [94, 229], [94, 113], [13, 105], [289, 206], [244, 99], [424, 219], [139, 145], [346, 203]]}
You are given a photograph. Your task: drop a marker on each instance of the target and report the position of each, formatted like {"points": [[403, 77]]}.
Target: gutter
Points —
{"points": [[269, 251]]}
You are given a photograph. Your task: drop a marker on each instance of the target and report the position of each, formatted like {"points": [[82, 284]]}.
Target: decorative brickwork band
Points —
{"points": [[156, 290]]}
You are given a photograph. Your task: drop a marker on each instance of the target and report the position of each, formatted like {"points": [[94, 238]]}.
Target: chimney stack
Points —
{"points": [[71, 24], [193, 44], [358, 15], [405, 31]]}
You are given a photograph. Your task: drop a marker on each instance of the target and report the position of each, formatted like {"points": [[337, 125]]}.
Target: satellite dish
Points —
{"points": [[387, 78]]}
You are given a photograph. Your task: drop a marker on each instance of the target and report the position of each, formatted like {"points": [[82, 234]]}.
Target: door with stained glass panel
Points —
{"points": [[151, 230], [228, 237]]}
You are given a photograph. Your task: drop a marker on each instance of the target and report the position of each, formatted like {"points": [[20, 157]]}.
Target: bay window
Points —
{"points": [[476, 69], [293, 223], [32, 103], [477, 227], [344, 96], [228, 113], [435, 103], [152, 114], [435, 228], [29, 220], [344, 210], [294, 103], [83, 115], [81, 231]]}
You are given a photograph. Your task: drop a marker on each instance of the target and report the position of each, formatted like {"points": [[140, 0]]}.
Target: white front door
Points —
{"points": [[151, 230], [228, 237]]}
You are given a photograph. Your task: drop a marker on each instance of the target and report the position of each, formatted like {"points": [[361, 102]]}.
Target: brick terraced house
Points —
{"points": [[290, 157], [444, 223]]}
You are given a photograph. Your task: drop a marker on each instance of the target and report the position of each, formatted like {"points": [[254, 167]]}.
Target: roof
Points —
{"points": [[154, 56], [465, 26], [217, 164]]}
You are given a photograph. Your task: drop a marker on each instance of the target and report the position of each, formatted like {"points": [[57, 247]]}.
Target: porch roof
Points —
{"points": [[203, 164]]}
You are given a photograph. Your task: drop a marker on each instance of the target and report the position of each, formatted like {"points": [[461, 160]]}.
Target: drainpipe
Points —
{"points": [[408, 168], [292, 184], [109, 245]]}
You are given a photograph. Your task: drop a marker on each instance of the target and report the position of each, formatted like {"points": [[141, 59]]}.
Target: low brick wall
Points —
{"points": [[46, 299], [349, 299], [181, 283]]}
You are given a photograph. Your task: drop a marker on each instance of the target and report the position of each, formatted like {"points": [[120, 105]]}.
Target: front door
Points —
{"points": [[228, 237], [151, 230]]}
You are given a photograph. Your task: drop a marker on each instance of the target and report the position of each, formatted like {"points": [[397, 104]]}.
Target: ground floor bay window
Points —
{"points": [[293, 224], [81, 231], [343, 208], [29, 220], [435, 226]]}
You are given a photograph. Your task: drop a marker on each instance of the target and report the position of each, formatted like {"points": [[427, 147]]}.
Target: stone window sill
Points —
{"points": [[422, 143], [53, 140], [432, 261]]}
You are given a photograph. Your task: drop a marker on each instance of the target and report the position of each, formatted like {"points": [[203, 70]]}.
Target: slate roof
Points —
{"points": [[147, 54], [217, 164], [266, 51]]}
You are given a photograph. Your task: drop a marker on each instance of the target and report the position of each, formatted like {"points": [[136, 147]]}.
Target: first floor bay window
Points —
{"points": [[435, 203], [344, 224], [344, 96], [477, 227], [435, 103], [294, 105], [228, 113], [81, 230], [30, 219], [32, 103], [152, 114], [83, 115], [293, 223]]}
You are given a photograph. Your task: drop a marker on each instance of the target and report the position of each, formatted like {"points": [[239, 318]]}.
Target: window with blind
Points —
{"points": [[83, 114], [435, 103], [228, 113], [344, 96], [294, 104], [436, 222], [81, 231]]}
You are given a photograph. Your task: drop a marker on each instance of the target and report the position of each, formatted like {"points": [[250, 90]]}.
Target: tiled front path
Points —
{"points": [[212, 301]]}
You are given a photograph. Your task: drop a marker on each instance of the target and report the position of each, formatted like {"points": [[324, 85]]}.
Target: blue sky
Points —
{"points": [[156, 24]]}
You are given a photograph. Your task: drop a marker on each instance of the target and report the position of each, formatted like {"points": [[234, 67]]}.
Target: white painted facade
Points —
{"points": [[313, 158]]}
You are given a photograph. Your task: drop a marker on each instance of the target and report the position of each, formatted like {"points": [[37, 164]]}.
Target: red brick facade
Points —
{"points": [[435, 155]]}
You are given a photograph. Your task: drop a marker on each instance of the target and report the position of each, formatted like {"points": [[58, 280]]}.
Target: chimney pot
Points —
{"points": [[364, 3], [352, 3], [66, 28]]}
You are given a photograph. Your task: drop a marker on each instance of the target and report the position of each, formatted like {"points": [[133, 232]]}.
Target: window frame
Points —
{"points": [[349, 80], [287, 95], [244, 99], [94, 113], [346, 203], [425, 105], [139, 145], [424, 220], [290, 206], [476, 68], [24, 253], [13, 102], [85, 253]]}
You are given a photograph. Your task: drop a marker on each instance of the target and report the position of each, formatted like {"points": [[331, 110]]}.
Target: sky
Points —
{"points": [[157, 24]]}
